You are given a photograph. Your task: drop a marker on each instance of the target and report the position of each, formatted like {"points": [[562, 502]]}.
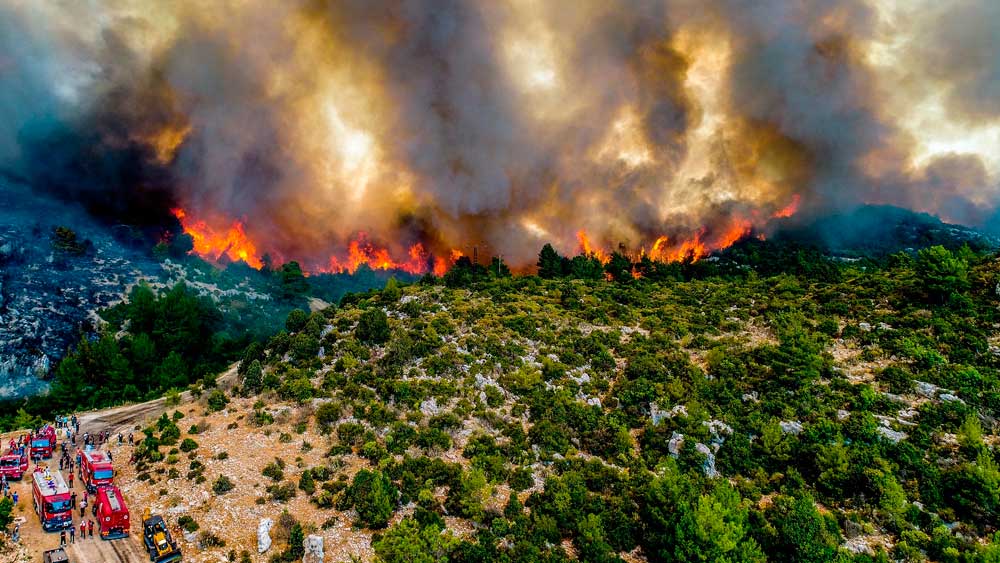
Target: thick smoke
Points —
{"points": [[501, 124]]}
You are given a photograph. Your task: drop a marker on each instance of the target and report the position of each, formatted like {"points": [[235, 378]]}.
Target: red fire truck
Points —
{"points": [[43, 443], [14, 464], [111, 513], [52, 500], [96, 470]]}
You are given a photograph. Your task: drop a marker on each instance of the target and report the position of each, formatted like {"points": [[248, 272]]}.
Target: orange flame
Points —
{"points": [[788, 210], [214, 244], [234, 243], [361, 251], [739, 229], [587, 249]]}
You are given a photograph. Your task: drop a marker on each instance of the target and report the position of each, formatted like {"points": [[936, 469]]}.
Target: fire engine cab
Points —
{"points": [[43, 443], [14, 464], [96, 470], [111, 513], [51, 497]]}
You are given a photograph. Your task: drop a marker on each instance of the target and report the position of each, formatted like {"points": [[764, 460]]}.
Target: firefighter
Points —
{"points": [[72, 495], [71, 479], [83, 505], [62, 538], [83, 530], [90, 528], [72, 534]]}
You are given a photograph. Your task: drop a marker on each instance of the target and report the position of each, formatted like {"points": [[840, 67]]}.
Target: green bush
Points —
{"points": [[373, 327], [217, 400], [222, 485], [373, 496], [188, 523]]}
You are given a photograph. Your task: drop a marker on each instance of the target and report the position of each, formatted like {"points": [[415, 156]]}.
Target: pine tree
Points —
{"points": [[549, 263], [254, 380], [296, 543]]}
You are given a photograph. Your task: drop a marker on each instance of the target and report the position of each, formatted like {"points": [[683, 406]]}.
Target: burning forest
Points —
{"points": [[400, 135]]}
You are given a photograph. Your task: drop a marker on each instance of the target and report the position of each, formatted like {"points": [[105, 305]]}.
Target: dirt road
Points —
{"points": [[117, 420]]}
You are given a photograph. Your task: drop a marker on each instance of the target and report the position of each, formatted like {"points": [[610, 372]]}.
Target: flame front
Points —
{"points": [[231, 242]]}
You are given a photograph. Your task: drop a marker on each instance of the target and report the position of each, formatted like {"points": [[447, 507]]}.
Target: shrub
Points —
{"points": [[208, 539], [327, 415], [282, 492], [274, 471], [307, 483], [222, 485], [261, 418], [373, 327], [188, 445], [217, 400], [188, 523], [373, 496], [296, 320]]}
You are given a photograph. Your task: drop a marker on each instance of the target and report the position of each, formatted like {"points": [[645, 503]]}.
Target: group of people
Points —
{"points": [[86, 531], [19, 444], [7, 492]]}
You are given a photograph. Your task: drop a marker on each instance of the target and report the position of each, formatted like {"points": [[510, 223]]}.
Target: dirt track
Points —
{"points": [[121, 419]]}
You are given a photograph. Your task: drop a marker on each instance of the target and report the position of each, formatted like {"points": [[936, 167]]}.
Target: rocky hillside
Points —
{"points": [[60, 270], [760, 419]]}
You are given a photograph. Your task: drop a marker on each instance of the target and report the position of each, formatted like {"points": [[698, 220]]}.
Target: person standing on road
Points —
{"points": [[71, 479], [72, 496], [72, 534], [83, 506], [62, 538], [90, 528], [83, 530]]}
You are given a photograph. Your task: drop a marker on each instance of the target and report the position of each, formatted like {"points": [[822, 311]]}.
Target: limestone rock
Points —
{"points": [[264, 535], [675, 443], [314, 549]]}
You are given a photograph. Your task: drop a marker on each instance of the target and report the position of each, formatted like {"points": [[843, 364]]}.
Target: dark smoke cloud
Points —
{"points": [[507, 124]]}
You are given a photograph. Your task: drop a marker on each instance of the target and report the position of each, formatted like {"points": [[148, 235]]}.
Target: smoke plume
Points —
{"points": [[393, 132]]}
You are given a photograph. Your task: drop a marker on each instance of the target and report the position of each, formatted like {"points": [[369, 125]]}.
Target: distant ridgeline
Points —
{"points": [[876, 231]]}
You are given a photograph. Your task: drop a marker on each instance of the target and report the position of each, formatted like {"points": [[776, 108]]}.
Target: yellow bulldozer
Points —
{"points": [[161, 547]]}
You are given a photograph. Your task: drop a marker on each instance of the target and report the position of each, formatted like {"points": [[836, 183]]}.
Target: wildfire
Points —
{"points": [[587, 249], [788, 210], [737, 231], [231, 242], [692, 248], [361, 251], [234, 243]]}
